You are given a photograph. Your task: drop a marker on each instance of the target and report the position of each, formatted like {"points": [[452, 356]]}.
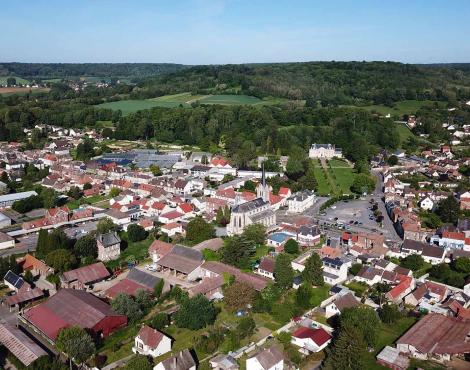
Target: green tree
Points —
{"points": [[462, 264], [392, 160], [363, 183], [364, 319], [85, 150], [136, 233], [86, 246], [348, 351], [124, 304], [355, 268], [199, 230], [238, 295], [143, 299], [195, 313], [246, 327], [313, 271], [237, 251], [114, 192], [283, 272], [255, 233], [158, 289], [105, 225], [303, 296], [291, 246], [222, 217], [413, 262], [87, 186], [11, 81], [138, 362], [156, 171], [76, 343], [448, 210], [75, 192], [159, 321], [60, 260], [390, 313], [295, 168]]}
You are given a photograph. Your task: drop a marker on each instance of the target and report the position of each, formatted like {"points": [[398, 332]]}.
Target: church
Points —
{"points": [[256, 211]]}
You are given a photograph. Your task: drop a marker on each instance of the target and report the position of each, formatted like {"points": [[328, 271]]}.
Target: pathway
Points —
{"points": [[332, 181]]}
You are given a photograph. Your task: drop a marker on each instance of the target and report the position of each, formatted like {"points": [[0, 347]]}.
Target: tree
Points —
{"points": [[355, 268], [255, 233], [11, 81], [390, 313], [75, 192], [363, 183], [87, 186], [246, 327], [283, 272], [124, 304], [413, 262], [392, 160], [448, 210], [237, 251], [60, 260], [42, 244], [143, 299], [136, 233], [295, 168], [313, 271], [199, 230], [222, 217], [348, 351], [76, 343], [462, 264], [86, 246], [364, 319], [138, 362], [238, 296], [105, 225], [159, 321], [195, 313], [158, 289], [114, 192], [291, 246], [85, 150], [156, 171], [303, 296]]}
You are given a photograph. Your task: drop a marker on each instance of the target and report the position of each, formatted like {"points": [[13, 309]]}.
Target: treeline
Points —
{"points": [[327, 83], [244, 131], [67, 70]]}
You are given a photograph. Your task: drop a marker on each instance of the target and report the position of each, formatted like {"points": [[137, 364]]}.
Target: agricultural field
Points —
{"points": [[185, 100], [22, 90], [337, 179], [403, 107], [19, 80]]}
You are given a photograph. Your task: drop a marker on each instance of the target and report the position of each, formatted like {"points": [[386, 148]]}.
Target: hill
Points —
{"points": [[325, 83]]}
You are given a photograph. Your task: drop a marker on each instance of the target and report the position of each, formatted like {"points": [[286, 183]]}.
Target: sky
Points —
{"points": [[234, 31]]}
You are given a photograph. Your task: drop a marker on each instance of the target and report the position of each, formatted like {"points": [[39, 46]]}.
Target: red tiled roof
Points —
{"points": [[185, 207], [319, 336], [159, 247], [150, 337], [87, 274]]}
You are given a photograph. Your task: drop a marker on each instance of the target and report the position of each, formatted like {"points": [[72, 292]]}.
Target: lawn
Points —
{"points": [[340, 176], [401, 108], [137, 250], [129, 106], [357, 287], [76, 203], [323, 186], [319, 295]]}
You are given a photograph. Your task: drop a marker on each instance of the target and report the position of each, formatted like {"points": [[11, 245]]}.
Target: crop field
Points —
{"points": [[21, 90], [185, 100], [19, 80]]}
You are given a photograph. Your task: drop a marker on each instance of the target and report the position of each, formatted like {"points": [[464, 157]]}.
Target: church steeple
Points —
{"points": [[262, 190]]}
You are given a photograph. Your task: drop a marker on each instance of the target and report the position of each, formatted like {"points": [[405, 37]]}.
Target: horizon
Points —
{"points": [[218, 32]]}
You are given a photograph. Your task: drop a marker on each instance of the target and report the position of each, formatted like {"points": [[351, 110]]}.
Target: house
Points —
{"points": [[431, 254], [266, 267], [300, 201], [335, 270], [69, 307], [436, 337], [327, 151], [6, 241], [311, 340], [392, 358], [402, 289], [257, 211], [158, 249], [57, 215], [223, 362], [308, 235], [151, 342], [429, 292], [369, 275], [119, 218], [13, 281], [344, 301], [271, 358], [426, 203], [182, 360], [172, 216], [182, 262], [135, 280], [172, 229], [109, 246], [37, 267], [83, 277]]}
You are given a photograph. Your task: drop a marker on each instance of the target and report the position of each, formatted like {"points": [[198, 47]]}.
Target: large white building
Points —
{"points": [[324, 151], [300, 201]]}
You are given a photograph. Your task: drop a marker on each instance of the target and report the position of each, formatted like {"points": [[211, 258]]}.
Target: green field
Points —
{"points": [[19, 80], [185, 100], [323, 187], [403, 107], [338, 180]]}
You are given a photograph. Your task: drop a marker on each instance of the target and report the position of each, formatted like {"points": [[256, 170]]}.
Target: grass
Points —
{"points": [[76, 203], [19, 80], [358, 287], [338, 180], [319, 295], [388, 334], [323, 186], [185, 100], [403, 107], [404, 133], [138, 250]]}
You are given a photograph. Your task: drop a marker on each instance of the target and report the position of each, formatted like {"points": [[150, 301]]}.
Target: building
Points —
{"points": [[392, 358], [69, 307], [182, 262], [13, 281], [6, 241], [223, 362], [257, 211], [134, 281], [300, 201], [335, 270], [344, 301], [182, 360], [436, 337], [151, 342], [310, 340], [8, 199], [270, 358], [327, 151], [37, 267], [85, 276], [158, 249], [109, 246], [266, 267]]}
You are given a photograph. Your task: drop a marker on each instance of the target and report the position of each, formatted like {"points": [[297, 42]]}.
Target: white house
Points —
{"points": [[335, 307], [310, 340], [324, 151], [426, 203], [266, 267], [270, 358], [151, 342], [300, 201], [335, 270]]}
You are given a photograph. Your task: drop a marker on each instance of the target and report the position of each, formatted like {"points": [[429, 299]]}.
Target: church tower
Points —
{"points": [[263, 189]]}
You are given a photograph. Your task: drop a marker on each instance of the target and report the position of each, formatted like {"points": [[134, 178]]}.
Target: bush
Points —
{"points": [[136, 233], [291, 246], [159, 321]]}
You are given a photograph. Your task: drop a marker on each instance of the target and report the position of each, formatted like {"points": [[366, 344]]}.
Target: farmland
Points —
{"points": [[402, 107], [21, 90], [19, 80], [185, 100]]}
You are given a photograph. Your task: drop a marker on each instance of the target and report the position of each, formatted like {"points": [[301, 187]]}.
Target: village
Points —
{"points": [[164, 238]]}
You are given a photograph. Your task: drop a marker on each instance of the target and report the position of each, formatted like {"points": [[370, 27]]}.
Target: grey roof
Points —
{"points": [[14, 279], [143, 278], [270, 357], [180, 361], [259, 216], [16, 196], [108, 239], [346, 301], [249, 206], [301, 195], [182, 259], [19, 344]]}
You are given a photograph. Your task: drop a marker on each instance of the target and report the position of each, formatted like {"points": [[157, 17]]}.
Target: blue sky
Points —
{"points": [[234, 31]]}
